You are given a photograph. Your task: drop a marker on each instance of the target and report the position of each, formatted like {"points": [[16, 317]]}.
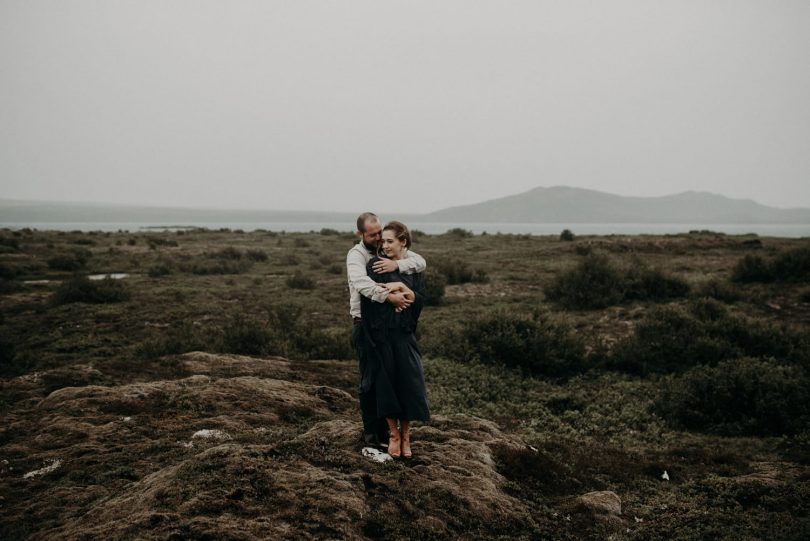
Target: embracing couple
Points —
{"points": [[387, 289]]}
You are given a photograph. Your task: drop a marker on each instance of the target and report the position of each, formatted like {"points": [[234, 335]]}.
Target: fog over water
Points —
{"points": [[436, 228], [403, 107]]}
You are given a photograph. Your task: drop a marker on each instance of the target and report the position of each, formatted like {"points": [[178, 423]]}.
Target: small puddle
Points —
{"points": [[36, 282], [113, 275]]}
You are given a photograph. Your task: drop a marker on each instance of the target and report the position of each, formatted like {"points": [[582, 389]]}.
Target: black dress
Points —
{"points": [[394, 357]]}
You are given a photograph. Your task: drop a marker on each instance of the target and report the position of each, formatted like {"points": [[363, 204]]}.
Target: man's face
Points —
{"points": [[371, 236]]}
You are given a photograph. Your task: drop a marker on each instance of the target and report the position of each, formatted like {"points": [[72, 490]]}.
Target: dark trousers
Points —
{"points": [[372, 425]]}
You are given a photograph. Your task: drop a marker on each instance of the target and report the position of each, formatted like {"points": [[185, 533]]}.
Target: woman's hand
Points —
{"points": [[393, 287], [400, 289]]}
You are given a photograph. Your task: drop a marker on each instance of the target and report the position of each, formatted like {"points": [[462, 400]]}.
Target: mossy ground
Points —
{"points": [[593, 431]]}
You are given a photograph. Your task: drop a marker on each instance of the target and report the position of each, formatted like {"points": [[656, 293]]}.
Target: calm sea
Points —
{"points": [[765, 230]]}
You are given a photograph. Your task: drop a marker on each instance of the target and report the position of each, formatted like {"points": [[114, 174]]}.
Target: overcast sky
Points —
{"points": [[406, 106]]}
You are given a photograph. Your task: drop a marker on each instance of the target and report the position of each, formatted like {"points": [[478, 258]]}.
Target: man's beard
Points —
{"points": [[372, 249]]}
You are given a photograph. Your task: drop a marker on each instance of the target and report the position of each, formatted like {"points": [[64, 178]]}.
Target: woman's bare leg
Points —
{"points": [[406, 439], [394, 439]]}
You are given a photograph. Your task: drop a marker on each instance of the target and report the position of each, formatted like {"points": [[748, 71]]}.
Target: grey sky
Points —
{"points": [[401, 106]]}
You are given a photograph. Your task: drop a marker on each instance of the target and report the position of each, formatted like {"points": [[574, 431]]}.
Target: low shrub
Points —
{"points": [[720, 290], [73, 261], [458, 271], [9, 286], [218, 266], [180, 339], [596, 282], [435, 282], [161, 268], [335, 268], [256, 255], [247, 336], [792, 265], [160, 241], [228, 253], [290, 260], [739, 397], [328, 231], [11, 243], [8, 272], [299, 280], [284, 331], [533, 343], [459, 232], [671, 339], [82, 289], [752, 268], [567, 235], [593, 283], [7, 355], [651, 284]]}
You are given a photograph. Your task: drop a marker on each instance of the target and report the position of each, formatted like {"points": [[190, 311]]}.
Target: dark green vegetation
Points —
{"points": [[597, 282], [615, 357], [788, 266]]}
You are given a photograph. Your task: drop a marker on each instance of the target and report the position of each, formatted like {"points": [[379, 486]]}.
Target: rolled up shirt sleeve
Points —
{"points": [[412, 264], [359, 280]]}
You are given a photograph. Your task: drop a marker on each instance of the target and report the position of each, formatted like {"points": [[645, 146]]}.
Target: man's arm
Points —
{"points": [[412, 264], [356, 271]]}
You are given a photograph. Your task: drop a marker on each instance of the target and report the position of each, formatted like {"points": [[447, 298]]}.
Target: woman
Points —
{"points": [[391, 338]]}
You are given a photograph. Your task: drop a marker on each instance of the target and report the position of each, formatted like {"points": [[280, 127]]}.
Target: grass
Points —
{"points": [[601, 428]]}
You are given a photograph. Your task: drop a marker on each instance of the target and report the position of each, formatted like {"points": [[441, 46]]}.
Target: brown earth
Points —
{"points": [[237, 447]]}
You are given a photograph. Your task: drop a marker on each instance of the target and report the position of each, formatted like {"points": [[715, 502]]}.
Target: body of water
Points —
{"points": [[765, 230]]}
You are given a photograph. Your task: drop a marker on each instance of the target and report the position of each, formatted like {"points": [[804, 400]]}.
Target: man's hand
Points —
{"points": [[385, 265], [400, 301]]}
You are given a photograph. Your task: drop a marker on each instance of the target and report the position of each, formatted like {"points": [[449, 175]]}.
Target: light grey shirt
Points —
{"points": [[359, 282]]}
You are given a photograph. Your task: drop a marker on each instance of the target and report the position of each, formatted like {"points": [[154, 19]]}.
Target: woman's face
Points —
{"points": [[392, 246]]}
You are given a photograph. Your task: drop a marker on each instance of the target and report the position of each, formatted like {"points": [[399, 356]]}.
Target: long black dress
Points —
{"points": [[394, 356]]}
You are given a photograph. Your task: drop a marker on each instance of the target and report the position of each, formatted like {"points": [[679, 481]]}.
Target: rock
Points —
{"points": [[602, 502], [48, 468], [211, 434], [604, 506], [376, 455]]}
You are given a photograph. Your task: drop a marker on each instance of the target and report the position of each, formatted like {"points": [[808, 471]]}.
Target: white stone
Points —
{"points": [[211, 434], [375, 454], [46, 469]]}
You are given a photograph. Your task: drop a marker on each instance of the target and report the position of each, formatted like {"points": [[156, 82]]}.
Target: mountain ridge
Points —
{"points": [[559, 204], [554, 204]]}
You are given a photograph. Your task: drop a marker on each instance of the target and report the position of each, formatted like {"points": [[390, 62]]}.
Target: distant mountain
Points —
{"points": [[557, 204], [562, 204]]}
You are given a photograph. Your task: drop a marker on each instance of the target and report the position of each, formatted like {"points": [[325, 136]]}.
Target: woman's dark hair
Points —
{"points": [[400, 231]]}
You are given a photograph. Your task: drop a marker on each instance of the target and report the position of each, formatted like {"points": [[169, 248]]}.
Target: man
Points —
{"points": [[369, 230]]}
